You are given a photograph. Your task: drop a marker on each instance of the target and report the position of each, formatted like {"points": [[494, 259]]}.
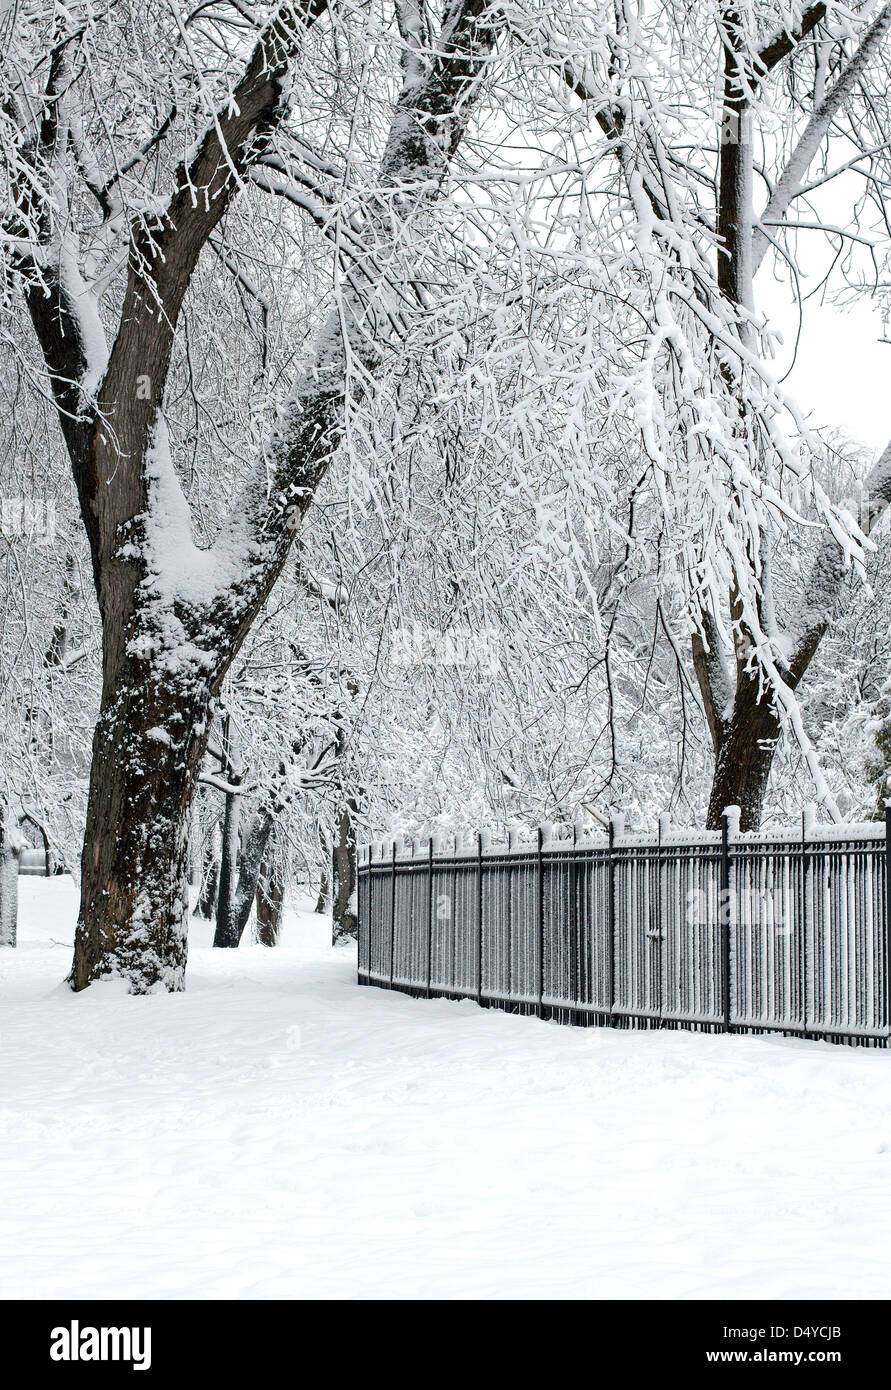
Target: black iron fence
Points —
{"points": [[719, 931]]}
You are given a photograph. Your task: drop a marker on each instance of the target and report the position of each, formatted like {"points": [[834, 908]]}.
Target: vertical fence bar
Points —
{"points": [[508, 925], [573, 953], [429, 915], [611, 918], [887, 931], [805, 875], [659, 942], [392, 911], [479, 915], [364, 911], [360, 929], [725, 917], [539, 915]]}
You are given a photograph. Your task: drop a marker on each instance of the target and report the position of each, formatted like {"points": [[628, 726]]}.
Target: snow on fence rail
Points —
{"points": [[784, 931]]}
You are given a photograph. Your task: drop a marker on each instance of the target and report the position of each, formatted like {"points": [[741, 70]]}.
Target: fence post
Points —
{"points": [[479, 915], [392, 911], [611, 919], [725, 910], [429, 914], [361, 927], [539, 915], [508, 927], [572, 933], [662, 832], [888, 915], [808, 819]]}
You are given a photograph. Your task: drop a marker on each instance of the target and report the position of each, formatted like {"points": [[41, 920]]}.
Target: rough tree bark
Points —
{"points": [[168, 645], [323, 899], [228, 883], [206, 906], [234, 910], [344, 876], [270, 897]]}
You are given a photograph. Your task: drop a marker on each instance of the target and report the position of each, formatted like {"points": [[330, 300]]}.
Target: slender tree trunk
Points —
{"points": [[344, 879], [9, 886], [323, 899], [270, 898], [206, 905], [230, 927], [227, 933], [196, 848], [324, 892]]}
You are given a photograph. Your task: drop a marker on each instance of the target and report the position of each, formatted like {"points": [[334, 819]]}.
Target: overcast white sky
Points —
{"points": [[842, 374]]}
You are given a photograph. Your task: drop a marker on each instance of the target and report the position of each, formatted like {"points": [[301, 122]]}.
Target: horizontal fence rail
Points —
{"points": [[718, 931]]}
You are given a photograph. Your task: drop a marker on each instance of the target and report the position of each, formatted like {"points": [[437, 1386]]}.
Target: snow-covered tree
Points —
{"points": [[111, 202], [802, 103]]}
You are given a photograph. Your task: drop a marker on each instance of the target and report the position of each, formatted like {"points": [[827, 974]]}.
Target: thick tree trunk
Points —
{"points": [[744, 756], [270, 899], [344, 879], [147, 751]]}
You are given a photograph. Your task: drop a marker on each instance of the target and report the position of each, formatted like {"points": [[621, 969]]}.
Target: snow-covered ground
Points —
{"points": [[278, 1132]]}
